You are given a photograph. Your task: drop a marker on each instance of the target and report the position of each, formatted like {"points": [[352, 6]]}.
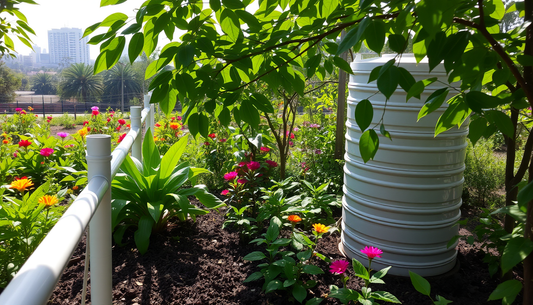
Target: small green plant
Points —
{"points": [[148, 195], [282, 271], [66, 120], [422, 285], [25, 219], [318, 203], [367, 296]]}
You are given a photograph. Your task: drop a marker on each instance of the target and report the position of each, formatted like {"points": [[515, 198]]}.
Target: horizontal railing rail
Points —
{"points": [[37, 278]]}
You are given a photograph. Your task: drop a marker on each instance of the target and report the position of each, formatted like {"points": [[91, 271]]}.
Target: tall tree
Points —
{"points": [[213, 69], [43, 83], [78, 81], [9, 82], [122, 75]]}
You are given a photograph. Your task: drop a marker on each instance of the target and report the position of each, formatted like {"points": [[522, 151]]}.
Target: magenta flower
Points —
{"points": [[338, 267], [253, 165], [318, 151], [62, 135], [223, 140], [264, 149], [224, 192], [122, 121], [46, 152], [18, 109], [242, 180], [372, 252], [179, 118], [230, 176], [95, 108]]}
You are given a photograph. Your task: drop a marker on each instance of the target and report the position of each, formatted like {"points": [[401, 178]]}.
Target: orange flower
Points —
{"points": [[174, 125], [21, 184], [294, 218], [48, 200], [75, 188], [320, 228], [5, 141], [30, 108], [83, 132]]}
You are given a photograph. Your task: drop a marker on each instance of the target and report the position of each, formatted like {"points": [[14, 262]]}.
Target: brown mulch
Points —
{"points": [[199, 263]]}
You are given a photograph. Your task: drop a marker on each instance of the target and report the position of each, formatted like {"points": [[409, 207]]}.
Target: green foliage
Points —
{"points": [[148, 195], [9, 80], [14, 25], [484, 173], [24, 222], [43, 83], [422, 285], [78, 81]]}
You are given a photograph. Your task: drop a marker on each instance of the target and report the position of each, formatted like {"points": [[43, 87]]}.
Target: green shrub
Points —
{"points": [[484, 174]]}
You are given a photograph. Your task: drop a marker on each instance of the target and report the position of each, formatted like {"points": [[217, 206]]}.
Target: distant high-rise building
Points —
{"points": [[66, 46]]}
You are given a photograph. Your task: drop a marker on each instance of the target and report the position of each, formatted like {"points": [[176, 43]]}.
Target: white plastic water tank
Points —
{"points": [[406, 201]]}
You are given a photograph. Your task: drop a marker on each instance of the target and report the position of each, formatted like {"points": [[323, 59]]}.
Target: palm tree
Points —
{"points": [[79, 81], [43, 83], [122, 75]]}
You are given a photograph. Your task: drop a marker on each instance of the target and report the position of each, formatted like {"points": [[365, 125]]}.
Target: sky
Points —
{"points": [[55, 14]]}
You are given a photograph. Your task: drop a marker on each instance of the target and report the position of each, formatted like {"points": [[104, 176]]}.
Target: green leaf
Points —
{"points": [[385, 296], [273, 229], [502, 121], [434, 14], [172, 157], [364, 114], [353, 36], [374, 74], [110, 2], [314, 301], [397, 43], [155, 210], [273, 285], [360, 270], [142, 235], [136, 46], [476, 129], [384, 132], [508, 289], [405, 79], [114, 51], [203, 124], [525, 60], [254, 277], [254, 256], [249, 114], [388, 80], [421, 284], [342, 64], [209, 200], [229, 22], [151, 157], [299, 293], [327, 7], [111, 19], [368, 145], [375, 35], [100, 63], [433, 102], [456, 113], [419, 87], [525, 196], [193, 124], [441, 301], [312, 269], [516, 250], [186, 54], [477, 101], [261, 103], [380, 274]]}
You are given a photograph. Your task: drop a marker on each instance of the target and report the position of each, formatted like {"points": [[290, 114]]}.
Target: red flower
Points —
{"points": [[85, 123], [24, 143], [265, 149], [224, 192], [271, 163], [122, 122], [49, 117], [212, 135], [222, 140], [108, 119], [46, 152], [88, 128], [118, 128], [122, 136], [206, 143], [242, 181], [156, 124], [96, 112]]}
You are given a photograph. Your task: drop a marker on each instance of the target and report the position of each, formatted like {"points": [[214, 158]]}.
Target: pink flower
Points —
{"points": [[296, 129], [223, 140], [372, 252], [212, 135], [18, 109], [318, 151], [95, 108], [271, 163], [108, 120], [314, 126], [242, 163], [290, 143], [122, 122], [15, 154], [46, 152], [230, 176], [242, 181], [62, 134], [265, 149], [156, 125], [224, 192], [179, 118], [338, 267], [253, 165]]}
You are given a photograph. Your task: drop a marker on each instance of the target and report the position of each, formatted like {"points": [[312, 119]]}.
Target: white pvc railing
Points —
{"points": [[37, 278]]}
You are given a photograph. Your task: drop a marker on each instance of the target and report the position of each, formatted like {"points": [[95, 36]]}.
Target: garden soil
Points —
{"points": [[199, 263]]}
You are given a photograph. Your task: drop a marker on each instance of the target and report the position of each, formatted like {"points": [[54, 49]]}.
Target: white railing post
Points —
{"points": [[136, 148], [99, 165], [150, 119]]}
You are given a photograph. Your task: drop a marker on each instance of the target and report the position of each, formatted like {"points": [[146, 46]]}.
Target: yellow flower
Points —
{"points": [[48, 200], [21, 184], [320, 228], [174, 126], [30, 108], [83, 132], [156, 139]]}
